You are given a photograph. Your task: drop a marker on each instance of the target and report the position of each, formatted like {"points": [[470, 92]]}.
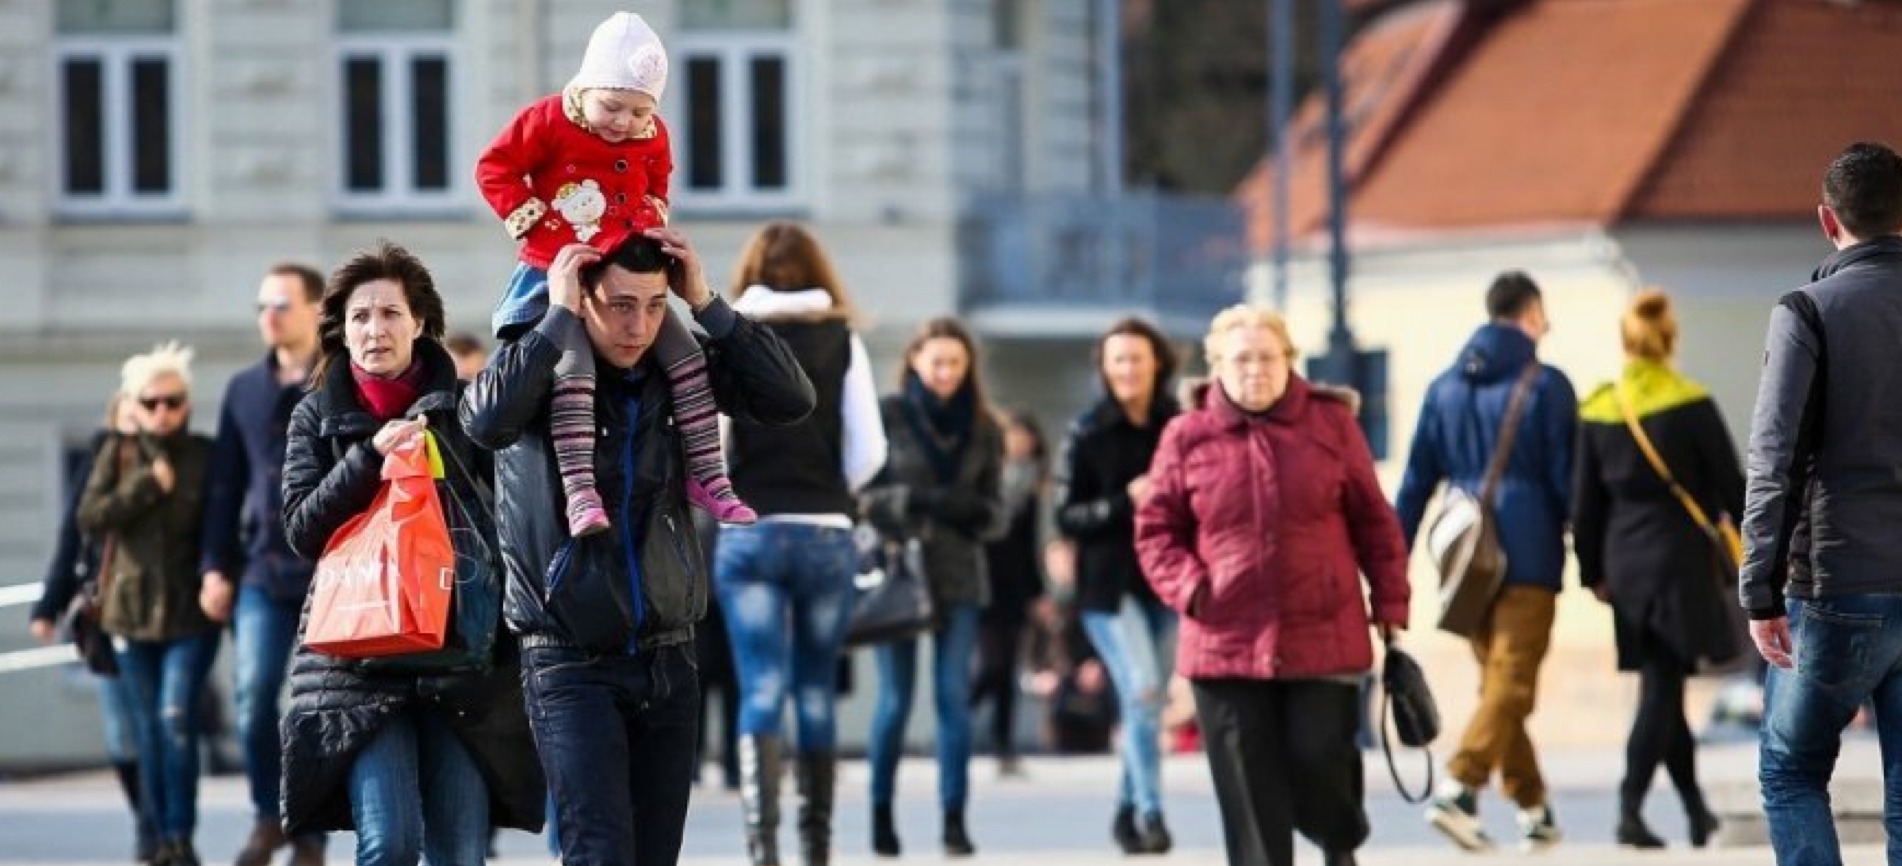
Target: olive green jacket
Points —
{"points": [[150, 537]]}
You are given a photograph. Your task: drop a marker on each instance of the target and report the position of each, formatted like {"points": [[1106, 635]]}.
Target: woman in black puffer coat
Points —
{"points": [[418, 764]]}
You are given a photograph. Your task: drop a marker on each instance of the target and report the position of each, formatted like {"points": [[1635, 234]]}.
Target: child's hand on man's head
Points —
{"points": [[564, 275]]}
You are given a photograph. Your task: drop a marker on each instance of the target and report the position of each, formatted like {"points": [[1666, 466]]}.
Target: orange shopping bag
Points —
{"points": [[384, 582]]}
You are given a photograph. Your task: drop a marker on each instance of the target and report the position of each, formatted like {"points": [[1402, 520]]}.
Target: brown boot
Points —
{"points": [[266, 837], [307, 851]]}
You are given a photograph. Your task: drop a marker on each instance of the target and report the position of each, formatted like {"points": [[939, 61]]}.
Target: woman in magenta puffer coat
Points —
{"points": [[1263, 516]]}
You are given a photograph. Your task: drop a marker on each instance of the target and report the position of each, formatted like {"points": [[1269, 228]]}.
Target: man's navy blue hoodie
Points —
{"points": [[244, 510], [1460, 423]]}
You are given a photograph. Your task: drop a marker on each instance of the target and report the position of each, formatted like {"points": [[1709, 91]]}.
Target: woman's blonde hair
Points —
{"points": [[1649, 327], [164, 359], [1245, 315]]}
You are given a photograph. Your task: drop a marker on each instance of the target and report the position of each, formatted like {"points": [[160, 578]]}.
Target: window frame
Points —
{"points": [[116, 55], [395, 54], [734, 52]]}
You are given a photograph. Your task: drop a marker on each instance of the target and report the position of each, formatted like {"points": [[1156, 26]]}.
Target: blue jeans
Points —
{"points": [[1848, 651], [164, 680], [415, 792], [616, 737], [1131, 643], [115, 716], [952, 648], [786, 592], [266, 631]]}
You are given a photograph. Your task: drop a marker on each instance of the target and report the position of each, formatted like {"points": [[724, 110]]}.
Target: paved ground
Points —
{"points": [[1057, 816]]}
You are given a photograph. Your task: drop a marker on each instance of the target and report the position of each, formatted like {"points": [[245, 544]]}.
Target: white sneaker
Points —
{"points": [[1455, 813], [1538, 830]]}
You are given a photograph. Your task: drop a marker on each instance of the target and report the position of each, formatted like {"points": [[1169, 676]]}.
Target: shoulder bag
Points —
{"points": [[1464, 538], [1726, 544]]}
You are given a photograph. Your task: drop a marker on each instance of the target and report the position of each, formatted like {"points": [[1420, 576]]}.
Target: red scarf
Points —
{"points": [[389, 398]]}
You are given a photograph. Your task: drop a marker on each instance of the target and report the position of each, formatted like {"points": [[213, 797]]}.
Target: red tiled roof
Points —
{"points": [[1384, 70], [1606, 111], [1802, 80]]}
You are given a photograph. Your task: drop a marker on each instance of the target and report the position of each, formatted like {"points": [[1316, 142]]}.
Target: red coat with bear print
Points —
{"points": [[554, 183]]}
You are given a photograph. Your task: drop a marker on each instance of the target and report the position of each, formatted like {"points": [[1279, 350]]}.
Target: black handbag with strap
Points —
{"points": [[1415, 717], [895, 599]]}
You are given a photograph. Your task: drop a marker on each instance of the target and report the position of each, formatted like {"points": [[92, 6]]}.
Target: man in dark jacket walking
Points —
{"points": [[1460, 425], [607, 621], [251, 576], [1824, 443]]}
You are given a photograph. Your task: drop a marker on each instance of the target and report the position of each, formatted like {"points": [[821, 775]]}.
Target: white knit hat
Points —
{"points": [[623, 54]]}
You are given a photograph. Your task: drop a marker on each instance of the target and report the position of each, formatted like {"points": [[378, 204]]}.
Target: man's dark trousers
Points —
{"points": [[616, 735]]}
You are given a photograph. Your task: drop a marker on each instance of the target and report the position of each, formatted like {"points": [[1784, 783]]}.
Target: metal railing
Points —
{"points": [[36, 657], [1172, 254]]}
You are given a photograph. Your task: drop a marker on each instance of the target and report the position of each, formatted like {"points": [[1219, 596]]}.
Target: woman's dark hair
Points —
{"points": [[1024, 420], [1159, 344], [385, 261], [947, 328]]}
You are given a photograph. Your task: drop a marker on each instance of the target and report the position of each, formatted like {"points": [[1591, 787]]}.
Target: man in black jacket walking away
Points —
{"points": [[1825, 440], [607, 621]]}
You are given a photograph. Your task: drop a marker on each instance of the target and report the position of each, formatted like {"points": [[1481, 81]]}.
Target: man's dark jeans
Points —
{"points": [[1848, 652], [616, 735]]}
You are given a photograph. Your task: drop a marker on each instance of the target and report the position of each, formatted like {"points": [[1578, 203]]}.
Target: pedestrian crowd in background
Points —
{"points": [[1223, 556]]}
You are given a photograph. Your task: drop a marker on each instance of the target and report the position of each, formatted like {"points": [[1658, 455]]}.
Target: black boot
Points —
{"points": [[1632, 832], [1123, 830], [178, 852], [1704, 823], [817, 777], [760, 771], [957, 842], [267, 836], [1155, 835], [884, 831], [1339, 858], [146, 844]]}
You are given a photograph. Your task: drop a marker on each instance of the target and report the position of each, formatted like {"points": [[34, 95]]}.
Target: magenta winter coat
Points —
{"points": [[1272, 519]]}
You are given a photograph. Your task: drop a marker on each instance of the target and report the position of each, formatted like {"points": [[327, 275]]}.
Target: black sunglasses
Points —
{"points": [[173, 402]]}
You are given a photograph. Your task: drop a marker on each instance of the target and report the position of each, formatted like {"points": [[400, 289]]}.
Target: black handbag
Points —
{"points": [[81, 623], [894, 601], [1415, 717]]}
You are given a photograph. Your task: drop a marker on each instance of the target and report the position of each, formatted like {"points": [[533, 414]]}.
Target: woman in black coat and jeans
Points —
{"points": [[1101, 479], [418, 764], [1640, 551]]}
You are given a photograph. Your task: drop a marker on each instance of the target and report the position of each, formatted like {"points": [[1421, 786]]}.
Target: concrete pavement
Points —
{"points": [[1057, 816]]}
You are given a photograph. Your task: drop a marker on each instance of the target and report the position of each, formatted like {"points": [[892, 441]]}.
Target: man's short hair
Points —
{"points": [[1511, 294], [639, 254], [309, 276], [1864, 187]]}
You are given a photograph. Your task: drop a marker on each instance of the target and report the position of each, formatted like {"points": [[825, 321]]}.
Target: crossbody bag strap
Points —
{"points": [[1651, 454], [1508, 434]]}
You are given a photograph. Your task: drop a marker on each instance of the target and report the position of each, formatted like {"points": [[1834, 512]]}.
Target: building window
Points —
{"points": [[734, 106], [116, 74], [735, 141], [395, 148]]}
